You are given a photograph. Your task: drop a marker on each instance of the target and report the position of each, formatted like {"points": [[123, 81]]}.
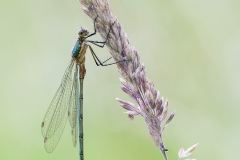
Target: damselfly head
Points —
{"points": [[83, 32]]}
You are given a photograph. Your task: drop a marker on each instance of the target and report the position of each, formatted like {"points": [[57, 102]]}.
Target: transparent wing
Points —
{"points": [[74, 135], [73, 106], [55, 119]]}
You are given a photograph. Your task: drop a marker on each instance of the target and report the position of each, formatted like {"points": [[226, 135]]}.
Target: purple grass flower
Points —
{"points": [[149, 102]]}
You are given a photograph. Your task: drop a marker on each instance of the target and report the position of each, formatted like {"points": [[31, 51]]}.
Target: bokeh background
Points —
{"points": [[191, 53]]}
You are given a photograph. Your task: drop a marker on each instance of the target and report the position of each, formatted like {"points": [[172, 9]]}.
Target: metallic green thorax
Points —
{"points": [[76, 49]]}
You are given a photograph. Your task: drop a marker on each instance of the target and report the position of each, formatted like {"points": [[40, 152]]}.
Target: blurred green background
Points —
{"points": [[191, 53]]}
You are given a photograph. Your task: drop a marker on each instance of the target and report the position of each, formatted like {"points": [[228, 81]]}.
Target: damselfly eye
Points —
{"points": [[83, 32]]}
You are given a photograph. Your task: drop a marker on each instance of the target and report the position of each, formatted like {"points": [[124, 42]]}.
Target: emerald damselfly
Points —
{"points": [[68, 100]]}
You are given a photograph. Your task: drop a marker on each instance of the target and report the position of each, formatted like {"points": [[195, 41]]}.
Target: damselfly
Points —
{"points": [[68, 100]]}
